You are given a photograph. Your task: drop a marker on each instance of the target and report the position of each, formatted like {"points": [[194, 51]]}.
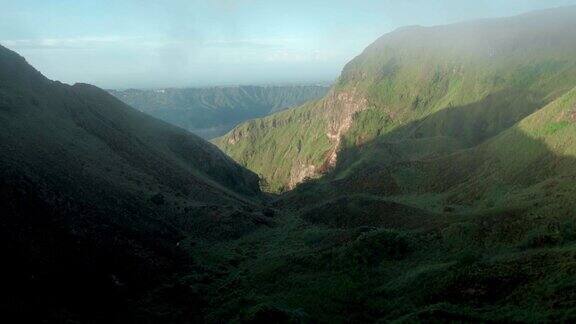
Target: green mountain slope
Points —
{"points": [[419, 233], [96, 197], [483, 76], [518, 162], [529, 165], [212, 112], [447, 157]]}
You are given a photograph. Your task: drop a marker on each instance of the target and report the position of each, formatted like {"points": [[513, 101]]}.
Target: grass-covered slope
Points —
{"points": [[288, 154], [530, 164], [451, 198], [212, 112], [482, 234], [522, 165], [491, 266], [463, 83], [96, 197]]}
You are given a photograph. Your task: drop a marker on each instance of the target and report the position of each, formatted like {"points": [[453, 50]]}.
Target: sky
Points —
{"points": [[181, 43]]}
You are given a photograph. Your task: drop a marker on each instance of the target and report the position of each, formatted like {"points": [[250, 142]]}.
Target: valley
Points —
{"points": [[433, 182]]}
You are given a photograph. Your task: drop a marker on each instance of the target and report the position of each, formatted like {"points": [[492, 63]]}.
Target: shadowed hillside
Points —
{"points": [[96, 197]]}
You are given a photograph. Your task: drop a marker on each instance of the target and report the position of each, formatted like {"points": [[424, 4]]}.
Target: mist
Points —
{"points": [[176, 43]]}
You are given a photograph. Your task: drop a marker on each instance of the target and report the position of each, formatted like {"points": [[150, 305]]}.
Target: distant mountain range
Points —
{"points": [[211, 112]]}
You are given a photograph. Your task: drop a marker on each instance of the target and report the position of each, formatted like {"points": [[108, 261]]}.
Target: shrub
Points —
{"points": [[539, 239], [376, 246], [266, 313], [158, 199]]}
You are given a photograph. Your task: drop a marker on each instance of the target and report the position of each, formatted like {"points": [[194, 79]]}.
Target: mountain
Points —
{"points": [[212, 112], [434, 183], [96, 198], [481, 234], [443, 88]]}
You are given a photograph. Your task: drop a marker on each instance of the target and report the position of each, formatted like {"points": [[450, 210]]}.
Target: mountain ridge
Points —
{"points": [[213, 111]]}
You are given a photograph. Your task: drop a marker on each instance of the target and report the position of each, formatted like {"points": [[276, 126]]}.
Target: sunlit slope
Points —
{"points": [[465, 83], [521, 166], [485, 234], [283, 148]]}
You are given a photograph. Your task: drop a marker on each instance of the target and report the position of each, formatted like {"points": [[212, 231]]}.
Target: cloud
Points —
{"points": [[298, 56], [230, 5], [96, 42], [244, 43], [76, 43]]}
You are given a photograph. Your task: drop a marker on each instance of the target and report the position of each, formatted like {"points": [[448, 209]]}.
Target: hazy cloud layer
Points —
{"points": [[148, 43]]}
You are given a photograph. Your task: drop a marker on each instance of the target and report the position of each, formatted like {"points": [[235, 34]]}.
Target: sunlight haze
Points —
{"points": [[144, 43]]}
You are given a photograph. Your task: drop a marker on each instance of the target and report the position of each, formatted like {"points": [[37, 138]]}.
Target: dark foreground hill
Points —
{"points": [[212, 112], [96, 197]]}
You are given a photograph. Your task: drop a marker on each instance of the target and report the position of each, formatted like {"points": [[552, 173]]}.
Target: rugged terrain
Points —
{"points": [[432, 183], [212, 112]]}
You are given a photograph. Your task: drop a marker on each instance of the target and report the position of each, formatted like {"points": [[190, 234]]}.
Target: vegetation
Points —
{"points": [[433, 183], [451, 199]]}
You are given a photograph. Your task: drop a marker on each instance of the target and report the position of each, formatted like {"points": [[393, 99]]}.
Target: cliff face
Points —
{"points": [[304, 141], [342, 107], [339, 109]]}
